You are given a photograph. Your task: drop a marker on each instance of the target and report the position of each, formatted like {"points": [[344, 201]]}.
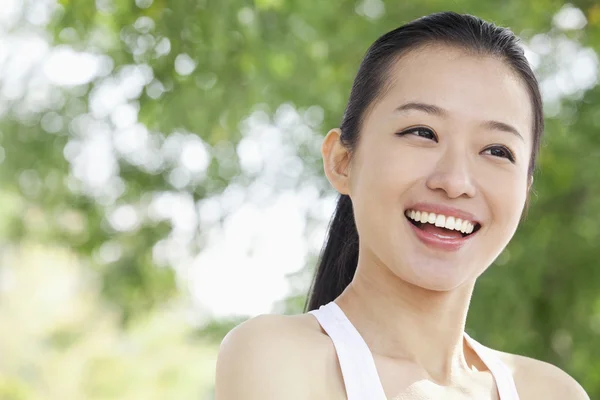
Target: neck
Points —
{"points": [[405, 322]]}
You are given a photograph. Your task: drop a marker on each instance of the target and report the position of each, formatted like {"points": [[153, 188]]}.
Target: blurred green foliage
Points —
{"points": [[212, 63], [59, 340]]}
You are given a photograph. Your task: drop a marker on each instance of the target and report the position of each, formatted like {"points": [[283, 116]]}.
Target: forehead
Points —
{"points": [[470, 87]]}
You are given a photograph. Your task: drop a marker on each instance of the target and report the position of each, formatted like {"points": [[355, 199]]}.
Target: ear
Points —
{"points": [[336, 158]]}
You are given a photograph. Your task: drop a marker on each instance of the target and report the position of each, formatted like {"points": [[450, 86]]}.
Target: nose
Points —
{"points": [[452, 175]]}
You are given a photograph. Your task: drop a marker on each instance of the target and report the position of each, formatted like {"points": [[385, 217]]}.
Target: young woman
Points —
{"points": [[433, 162]]}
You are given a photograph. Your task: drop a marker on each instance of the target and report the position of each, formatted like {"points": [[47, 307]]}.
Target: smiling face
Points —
{"points": [[451, 137]]}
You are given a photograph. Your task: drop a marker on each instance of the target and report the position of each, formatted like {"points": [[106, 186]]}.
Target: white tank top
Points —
{"points": [[358, 366]]}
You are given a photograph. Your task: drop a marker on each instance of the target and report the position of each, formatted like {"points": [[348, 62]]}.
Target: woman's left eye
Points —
{"points": [[421, 132], [501, 152]]}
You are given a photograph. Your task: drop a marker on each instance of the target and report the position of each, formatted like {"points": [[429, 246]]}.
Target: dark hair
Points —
{"points": [[339, 257]]}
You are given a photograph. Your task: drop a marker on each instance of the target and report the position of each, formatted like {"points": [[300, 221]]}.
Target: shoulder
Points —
{"points": [[537, 379], [267, 357]]}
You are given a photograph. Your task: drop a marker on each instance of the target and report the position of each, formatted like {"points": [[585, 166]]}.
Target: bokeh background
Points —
{"points": [[160, 182]]}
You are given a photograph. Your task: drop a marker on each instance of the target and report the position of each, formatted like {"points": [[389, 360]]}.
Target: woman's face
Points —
{"points": [[451, 137]]}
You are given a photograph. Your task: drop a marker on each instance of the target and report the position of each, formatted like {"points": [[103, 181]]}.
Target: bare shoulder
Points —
{"points": [[537, 379], [268, 357]]}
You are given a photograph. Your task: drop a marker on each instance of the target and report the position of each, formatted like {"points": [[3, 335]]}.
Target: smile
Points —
{"points": [[418, 218], [445, 232]]}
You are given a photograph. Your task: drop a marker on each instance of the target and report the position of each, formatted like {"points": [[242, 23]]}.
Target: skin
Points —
{"points": [[400, 282]]}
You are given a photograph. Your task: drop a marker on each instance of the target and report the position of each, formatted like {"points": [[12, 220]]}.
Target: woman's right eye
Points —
{"points": [[425, 133]]}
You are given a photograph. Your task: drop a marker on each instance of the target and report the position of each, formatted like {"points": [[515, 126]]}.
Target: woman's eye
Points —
{"points": [[501, 152], [421, 132]]}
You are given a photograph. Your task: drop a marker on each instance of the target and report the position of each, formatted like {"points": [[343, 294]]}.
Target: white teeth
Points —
{"points": [[432, 218], [464, 226], [441, 221], [457, 224]]}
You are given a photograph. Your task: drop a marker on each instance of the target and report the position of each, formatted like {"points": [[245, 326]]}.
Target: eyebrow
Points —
{"points": [[428, 108], [440, 112]]}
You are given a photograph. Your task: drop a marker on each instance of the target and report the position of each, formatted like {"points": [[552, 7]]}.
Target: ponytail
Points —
{"points": [[339, 256]]}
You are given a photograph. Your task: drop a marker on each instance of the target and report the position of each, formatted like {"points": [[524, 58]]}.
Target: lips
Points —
{"points": [[446, 237]]}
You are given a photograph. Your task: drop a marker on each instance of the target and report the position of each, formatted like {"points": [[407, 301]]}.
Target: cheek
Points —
{"points": [[392, 169], [378, 183], [508, 197]]}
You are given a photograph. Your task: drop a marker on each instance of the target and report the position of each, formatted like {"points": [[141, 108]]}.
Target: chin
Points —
{"points": [[438, 276]]}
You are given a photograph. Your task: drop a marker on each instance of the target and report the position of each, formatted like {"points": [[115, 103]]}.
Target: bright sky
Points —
{"points": [[243, 265]]}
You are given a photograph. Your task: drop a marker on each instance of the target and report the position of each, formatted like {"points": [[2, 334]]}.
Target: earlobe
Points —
{"points": [[335, 160]]}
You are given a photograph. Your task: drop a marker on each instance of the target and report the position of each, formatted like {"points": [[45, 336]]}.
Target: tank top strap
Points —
{"points": [[359, 372], [356, 360], [500, 371]]}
